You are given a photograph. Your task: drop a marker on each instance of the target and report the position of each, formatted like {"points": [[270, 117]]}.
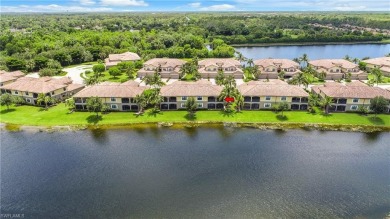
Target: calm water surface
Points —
{"points": [[316, 52], [195, 173]]}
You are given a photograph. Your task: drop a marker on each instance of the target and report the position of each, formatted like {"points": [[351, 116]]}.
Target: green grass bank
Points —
{"points": [[59, 116]]}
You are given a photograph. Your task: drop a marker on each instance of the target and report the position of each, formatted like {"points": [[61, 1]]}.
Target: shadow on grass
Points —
{"points": [[93, 119], [326, 114], [282, 118], [229, 113], [376, 120], [154, 113], [4, 111], [190, 116]]}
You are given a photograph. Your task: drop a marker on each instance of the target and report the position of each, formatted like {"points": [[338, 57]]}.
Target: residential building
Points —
{"points": [[349, 97], [9, 77], [336, 69], [209, 68], [29, 88], [166, 67], [118, 96], [265, 95], [383, 63], [114, 59], [270, 68], [205, 94]]}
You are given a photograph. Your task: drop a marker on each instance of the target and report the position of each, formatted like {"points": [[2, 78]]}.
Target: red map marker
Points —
{"points": [[229, 99]]}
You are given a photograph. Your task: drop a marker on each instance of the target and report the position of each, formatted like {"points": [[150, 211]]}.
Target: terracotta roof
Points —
{"points": [[34, 86], [114, 59], [198, 88], [379, 61], [72, 87], [274, 90], [329, 63], [343, 91], [165, 62], [284, 63], [6, 77], [385, 69], [111, 90], [265, 82], [16, 74], [227, 62]]}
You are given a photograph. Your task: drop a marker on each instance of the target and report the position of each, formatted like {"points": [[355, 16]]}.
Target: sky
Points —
{"points": [[191, 5]]}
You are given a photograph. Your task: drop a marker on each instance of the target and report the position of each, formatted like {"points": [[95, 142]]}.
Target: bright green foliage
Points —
{"points": [[191, 105], [114, 71], [94, 104], [379, 105], [6, 100]]}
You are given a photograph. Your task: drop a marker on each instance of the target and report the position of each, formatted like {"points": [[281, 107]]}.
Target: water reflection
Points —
{"points": [[372, 137], [99, 135]]}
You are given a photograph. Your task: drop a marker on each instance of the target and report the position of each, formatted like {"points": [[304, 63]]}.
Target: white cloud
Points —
{"points": [[194, 4], [222, 7], [87, 2], [52, 8], [123, 3]]}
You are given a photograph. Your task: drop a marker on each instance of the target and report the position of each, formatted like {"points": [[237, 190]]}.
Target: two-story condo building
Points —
{"points": [[270, 68], [29, 88], [118, 96], [351, 96], [264, 95], [383, 63], [114, 59], [166, 67], [209, 68], [9, 77], [205, 94], [336, 69]]}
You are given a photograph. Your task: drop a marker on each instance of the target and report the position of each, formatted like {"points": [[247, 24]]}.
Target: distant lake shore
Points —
{"points": [[307, 43]]}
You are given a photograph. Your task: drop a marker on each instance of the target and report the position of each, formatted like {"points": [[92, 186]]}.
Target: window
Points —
{"points": [[199, 98], [28, 100], [267, 98], [52, 93], [283, 98], [64, 88], [354, 107], [26, 93], [355, 100], [114, 106], [267, 105], [183, 105], [113, 99], [16, 92], [200, 105], [184, 98]]}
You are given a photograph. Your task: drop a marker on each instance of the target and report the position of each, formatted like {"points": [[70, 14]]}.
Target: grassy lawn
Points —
{"points": [[385, 80], [58, 115], [107, 77]]}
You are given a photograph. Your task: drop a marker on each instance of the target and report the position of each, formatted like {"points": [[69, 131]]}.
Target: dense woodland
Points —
{"points": [[47, 42]]}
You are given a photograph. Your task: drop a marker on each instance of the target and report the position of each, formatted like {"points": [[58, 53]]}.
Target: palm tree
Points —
{"points": [[42, 98], [256, 71], [239, 101], [322, 75], [240, 57], [326, 102], [377, 75], [300, 78], [141, 101], [154, 80], [297, 60], [347, 58], [229, 90], [356, 60], [250, 62], [304, 58], [191, 106], [314, 100]]}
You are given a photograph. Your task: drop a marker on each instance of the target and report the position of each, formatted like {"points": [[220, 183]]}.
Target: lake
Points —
{"points": [[195, 173], [316, 51]]}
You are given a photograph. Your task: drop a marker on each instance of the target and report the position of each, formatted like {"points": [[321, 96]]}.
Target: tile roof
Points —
{"points": [[379, 61], [198, 88], [275, 90], [345, 91], [165, 62], [284, 63], [329, 63], [111, 90], [222, 62], [114, 59], [10, 76], [34, 86]]}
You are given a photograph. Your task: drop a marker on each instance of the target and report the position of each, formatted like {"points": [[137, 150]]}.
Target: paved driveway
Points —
{"points": [[74, 73]]}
